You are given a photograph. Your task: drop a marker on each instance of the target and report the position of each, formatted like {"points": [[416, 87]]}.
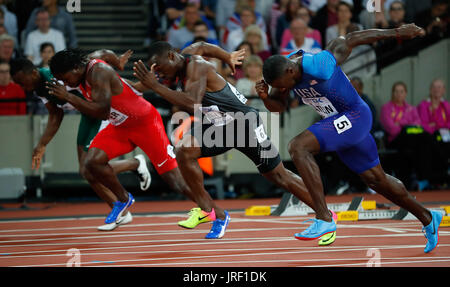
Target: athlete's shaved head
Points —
{"points": [[67, 60], [159, 49], [164, 59], [24, 73], [274, 67], [21, 64]]}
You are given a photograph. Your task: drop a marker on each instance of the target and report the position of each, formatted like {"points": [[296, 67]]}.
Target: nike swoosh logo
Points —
{"points": [[328, 239], [201, 218], [159, 165]]}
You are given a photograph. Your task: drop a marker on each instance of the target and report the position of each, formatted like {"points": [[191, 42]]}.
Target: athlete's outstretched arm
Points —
{"points": [[194, 89], [277, 101], [111, 58], [213, 51], [55, 117], [341, 47], [100, 79]]}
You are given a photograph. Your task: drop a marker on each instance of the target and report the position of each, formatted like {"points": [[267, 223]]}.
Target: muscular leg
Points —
{"points": [[187, 154], [124, 165], [104, 193], [291, 182], [302, 149], [394, 190], [96, 163], [176, 182]]}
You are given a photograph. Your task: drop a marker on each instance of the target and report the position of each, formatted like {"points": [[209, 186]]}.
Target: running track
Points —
{"points": [[46, 237]]}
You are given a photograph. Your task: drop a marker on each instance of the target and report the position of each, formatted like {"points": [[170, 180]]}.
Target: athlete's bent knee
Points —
{"points": [[373, 179], [297, 149]]}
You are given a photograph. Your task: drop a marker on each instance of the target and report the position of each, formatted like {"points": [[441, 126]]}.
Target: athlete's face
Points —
{"points": [[285, 81], [165, 67], [72, 78], [28, 81]]}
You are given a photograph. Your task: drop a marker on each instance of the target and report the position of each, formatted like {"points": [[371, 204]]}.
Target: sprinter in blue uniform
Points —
{"points": [[345, 128]]}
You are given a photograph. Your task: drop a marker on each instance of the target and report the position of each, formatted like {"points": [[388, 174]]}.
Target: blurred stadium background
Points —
{"points": [[120, 25]]}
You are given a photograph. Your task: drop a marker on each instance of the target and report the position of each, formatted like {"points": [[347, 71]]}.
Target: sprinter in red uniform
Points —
{"points": [[134, 123]]}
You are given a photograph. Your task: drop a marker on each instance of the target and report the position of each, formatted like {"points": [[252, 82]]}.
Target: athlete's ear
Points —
{"points": [[289, 70], [171, 55], [34, 74]]}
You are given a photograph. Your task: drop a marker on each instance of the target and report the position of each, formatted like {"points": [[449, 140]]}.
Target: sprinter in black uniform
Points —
{"points": [[227, 122]]}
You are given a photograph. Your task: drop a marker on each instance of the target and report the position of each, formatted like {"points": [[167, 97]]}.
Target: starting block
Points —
{"points": [[369, 204], [258, 210], [357, 209], [445, 221], [350, 215]]}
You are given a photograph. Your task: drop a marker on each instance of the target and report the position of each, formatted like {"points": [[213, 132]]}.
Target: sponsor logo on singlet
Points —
{"points": [[321, 104]]}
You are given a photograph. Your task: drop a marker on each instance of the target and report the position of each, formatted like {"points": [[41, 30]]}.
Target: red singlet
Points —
{"points": [[134, 122]]}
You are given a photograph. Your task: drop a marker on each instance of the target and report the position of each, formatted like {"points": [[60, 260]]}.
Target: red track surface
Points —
{"points": [[44, 237]]}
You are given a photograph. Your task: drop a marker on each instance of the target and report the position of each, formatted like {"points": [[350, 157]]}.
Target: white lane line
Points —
{"points": [[39, 252], [254, 251], [203, 241], [222, 256]]}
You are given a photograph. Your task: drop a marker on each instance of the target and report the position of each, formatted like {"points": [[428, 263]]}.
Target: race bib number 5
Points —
{"points": [[342, 124]]}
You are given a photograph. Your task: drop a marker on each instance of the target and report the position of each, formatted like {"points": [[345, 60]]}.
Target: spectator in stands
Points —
{"points": [[201, 30], [302, 13], [224, 10], [43, 34], [370, 20], [10, 21], [284, 21], [60, 20], [278, 8], [175, 9], [258, 40], [10, 90], [182, 30], [232, 39], [391, 50], [252, 67], [435, 20], [344, 24], [396, 14], [434, 113], [7, 48], [234, 21], [47, 51], [402, 124], [325, 17], [299, 39]]}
